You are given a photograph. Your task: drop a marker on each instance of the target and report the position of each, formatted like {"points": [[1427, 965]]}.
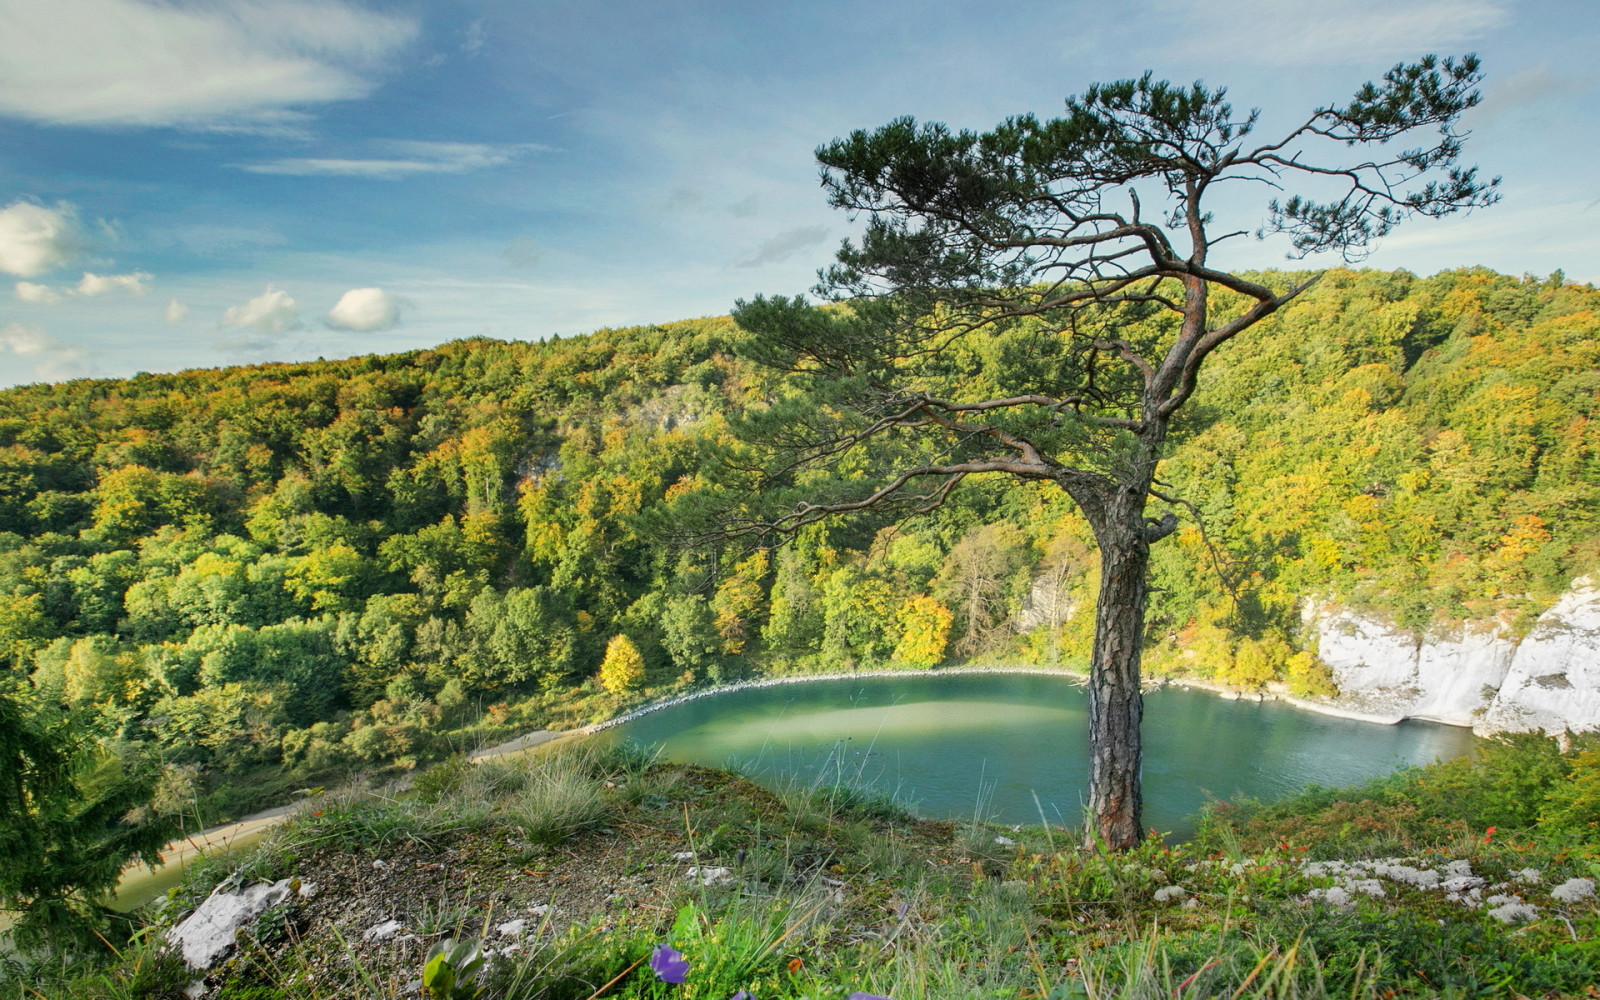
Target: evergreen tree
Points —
{"points": [[1101, 314], [71, 819]]}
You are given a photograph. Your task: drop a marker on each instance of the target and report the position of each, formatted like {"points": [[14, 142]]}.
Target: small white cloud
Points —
{"points": [[52, 360], [35, 239], [785, 245], [42, 295], [127, 62], [364, 310], [91, 286], [273, 311], [104, 284], [407, 158], [175, 312]]}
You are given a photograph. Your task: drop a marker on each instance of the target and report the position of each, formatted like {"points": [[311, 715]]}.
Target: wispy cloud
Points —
{"points": [[187, 63], [39, 295], [89, 287], [1526, 90], [103, 284], [1330, 31], [51, 359], [407, 158], [785, 245]]}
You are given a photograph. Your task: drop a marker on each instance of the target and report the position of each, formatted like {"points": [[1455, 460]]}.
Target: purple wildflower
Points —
{"points": [[742, 995], [867, 996], [669, 965]]}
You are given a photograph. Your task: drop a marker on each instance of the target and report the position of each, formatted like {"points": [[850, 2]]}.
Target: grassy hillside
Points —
{"points": [[567, 871]]}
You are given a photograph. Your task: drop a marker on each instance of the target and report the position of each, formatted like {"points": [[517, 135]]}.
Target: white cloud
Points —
{"points": [[1333, 31], [42, 295], [35, 239], [175, 313], [52, 360], [90, 286], [408, 158], [126, 62], [273, 311], [103, 284], [364, 310]]}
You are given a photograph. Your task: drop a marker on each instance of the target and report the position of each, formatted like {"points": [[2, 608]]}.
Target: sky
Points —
{"points": [[188, 184]]}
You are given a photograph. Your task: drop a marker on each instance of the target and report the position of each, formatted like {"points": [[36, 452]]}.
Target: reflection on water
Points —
{"points": [[1012, 747]]}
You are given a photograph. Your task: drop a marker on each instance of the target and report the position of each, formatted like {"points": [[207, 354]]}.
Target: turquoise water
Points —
{"points": [[1011, 748]]}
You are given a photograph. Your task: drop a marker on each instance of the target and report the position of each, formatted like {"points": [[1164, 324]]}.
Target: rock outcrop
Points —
{"points": [[1478, 676], [209, 933], [1554, 682]]}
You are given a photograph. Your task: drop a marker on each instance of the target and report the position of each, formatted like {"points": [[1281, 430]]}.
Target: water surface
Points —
{"points": [[1012, 748]]}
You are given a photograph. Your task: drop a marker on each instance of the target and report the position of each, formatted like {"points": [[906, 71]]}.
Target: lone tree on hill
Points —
{"points": [[1037, 302]]}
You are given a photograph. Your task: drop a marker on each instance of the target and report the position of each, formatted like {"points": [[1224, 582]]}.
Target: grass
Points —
{"points": [[829, 890]]}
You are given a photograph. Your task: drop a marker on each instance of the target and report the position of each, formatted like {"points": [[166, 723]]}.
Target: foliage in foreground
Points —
{"points": [[833, 892]]}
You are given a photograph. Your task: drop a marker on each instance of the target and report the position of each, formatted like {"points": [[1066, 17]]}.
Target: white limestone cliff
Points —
{"points": [[1478, 676], [1554, 682]]}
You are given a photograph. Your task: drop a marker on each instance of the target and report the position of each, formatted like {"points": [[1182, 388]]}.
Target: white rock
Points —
{"points": [[209, 932], [683, 856], [1462, 883], [1388, 672], [1422, 878], [511, 928], [1005, 842], [1554, 682], [710, 876], [1370, 886], [1515, 912], [1335, 896], [1573, 890], [1475, 675], [382, 932], [542, 909]]}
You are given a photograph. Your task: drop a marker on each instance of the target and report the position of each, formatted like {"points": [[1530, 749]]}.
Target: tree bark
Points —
{"points": [[1115, 703]]}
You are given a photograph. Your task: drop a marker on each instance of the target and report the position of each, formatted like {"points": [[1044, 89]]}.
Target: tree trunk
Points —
{"points": [[1115, 703]]}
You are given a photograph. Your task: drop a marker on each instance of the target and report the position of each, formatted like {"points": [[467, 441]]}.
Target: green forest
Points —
{"points": [[258, 579]]}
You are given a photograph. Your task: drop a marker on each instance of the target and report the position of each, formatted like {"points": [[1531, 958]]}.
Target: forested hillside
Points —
{"points": [[274, 574]]}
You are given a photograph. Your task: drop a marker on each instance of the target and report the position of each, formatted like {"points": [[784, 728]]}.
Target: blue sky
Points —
{"points": [[191, 184]]}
